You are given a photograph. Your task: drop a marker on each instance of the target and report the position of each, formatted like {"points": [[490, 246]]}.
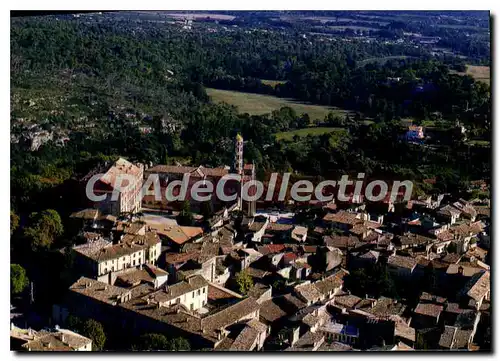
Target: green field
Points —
{"points": [[352, 27], [479, 143], [272, 83], [306, 131], [257, 104]]}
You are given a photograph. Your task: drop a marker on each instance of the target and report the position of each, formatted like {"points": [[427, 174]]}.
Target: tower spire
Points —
{"points": [[238, 155]]}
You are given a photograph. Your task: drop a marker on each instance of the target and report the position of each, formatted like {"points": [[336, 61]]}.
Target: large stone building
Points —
{"points": [[123, 179]]}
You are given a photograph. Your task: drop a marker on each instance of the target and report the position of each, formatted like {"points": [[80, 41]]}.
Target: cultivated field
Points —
{"points": [[256, 104], [481, 73], [478, 72], [306, 131]]}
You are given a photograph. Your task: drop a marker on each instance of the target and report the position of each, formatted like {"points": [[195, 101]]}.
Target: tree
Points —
{"points": [[244, 282], [14, 222], [206, 210], [73, 323], [94, 330], [185, 217], [158, 342], [18, 278], [152, 342], [44, 227], [452, 248], [179, 344]]}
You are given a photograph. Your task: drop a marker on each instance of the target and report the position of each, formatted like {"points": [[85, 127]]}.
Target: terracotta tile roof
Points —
{"points": [[178, 234], [402, 262], [256, 226], [294, 302], [308, 342], [101, 250], [453, 307], [479, 286], [319, 230], [59, 340], [359, 229], [348, 301], [309, 292], [329, 284], [309, 248], [483, 210], [341, 242], [193, 171], [427, 297], [448, 211], [289, 257], [466, 229], [175, 258], [272, 249], [270, 311], [99, 290], [371, 255], [448, 337], [462, 338], [429, 309], [451, 258], [384, 307], [256, 273], [334, 346], [277, 227], [230, 315], [466, 270], [404, 331], [248, 336], [134, 277], [466, 208], [342, 217], [87, 214], [130, 228], [258, 290], [414, 239]]}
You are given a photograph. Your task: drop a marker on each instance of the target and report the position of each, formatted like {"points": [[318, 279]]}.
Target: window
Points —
{"points": [[203, 290], [193, 294], [178, 300], [191, 306], [199, 292]]}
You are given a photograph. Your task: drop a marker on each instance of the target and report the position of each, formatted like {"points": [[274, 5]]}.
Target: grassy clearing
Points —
{"points": [[352, 27], [257, 104], [463, 27], [324, 19], [272, 83], [479, 143], [200, 16], [478, 72], [306, 131]]}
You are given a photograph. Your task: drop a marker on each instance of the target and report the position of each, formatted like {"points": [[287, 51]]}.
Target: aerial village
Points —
{"points": [[335, 276]]}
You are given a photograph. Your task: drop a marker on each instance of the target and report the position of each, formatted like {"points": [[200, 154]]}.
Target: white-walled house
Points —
{"points": [[100, 258]]}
